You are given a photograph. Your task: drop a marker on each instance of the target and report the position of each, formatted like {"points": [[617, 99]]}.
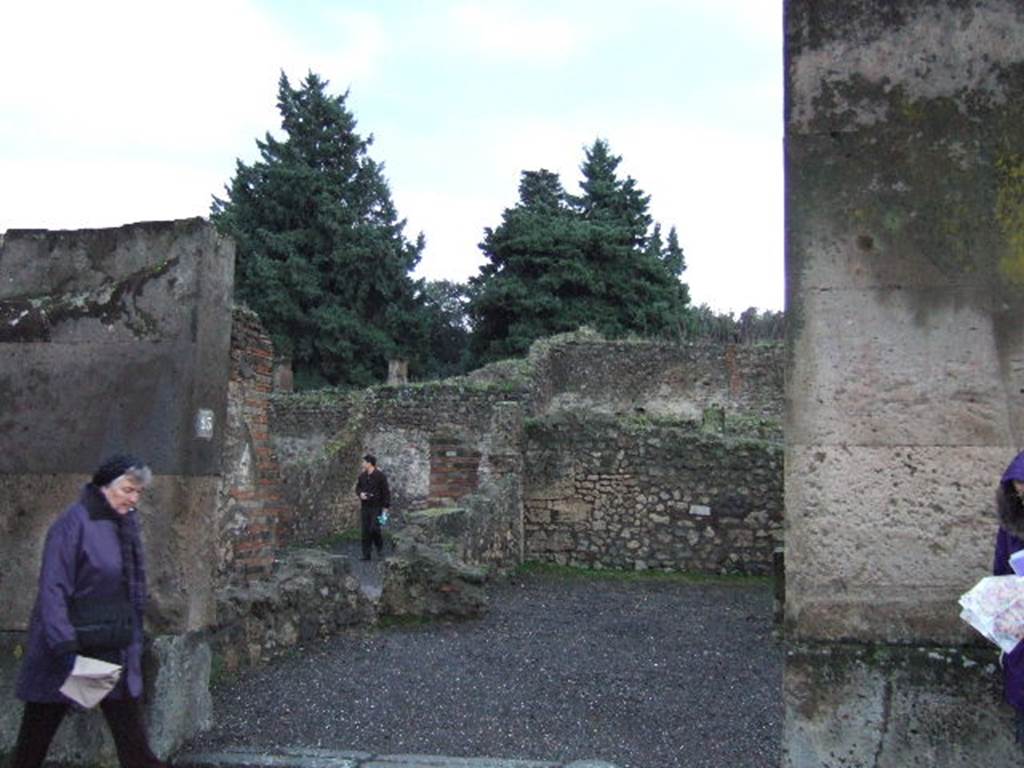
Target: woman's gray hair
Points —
{"points": [[141, 475]]}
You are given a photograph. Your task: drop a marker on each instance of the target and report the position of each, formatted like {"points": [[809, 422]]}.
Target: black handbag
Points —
{"points": [[104, 624]]}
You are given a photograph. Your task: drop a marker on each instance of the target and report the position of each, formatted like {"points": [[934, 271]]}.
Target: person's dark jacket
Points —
{"points": [[1010, 539], [375, 486], [82, 560]]}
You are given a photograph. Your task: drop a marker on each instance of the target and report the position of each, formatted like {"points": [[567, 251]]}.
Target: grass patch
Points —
{"points": [[336, 540], [535, 568], [404, 622]]}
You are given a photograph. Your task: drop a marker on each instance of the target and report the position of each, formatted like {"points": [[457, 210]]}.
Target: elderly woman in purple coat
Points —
{"points": [[1010, 539], [92, 593]]}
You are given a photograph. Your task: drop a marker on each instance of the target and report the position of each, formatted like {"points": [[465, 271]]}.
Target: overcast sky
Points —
{"points": [[115, 112]]}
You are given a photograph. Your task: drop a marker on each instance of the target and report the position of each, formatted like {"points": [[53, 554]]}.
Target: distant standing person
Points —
{"points": [[91, 598], [374, 498]]}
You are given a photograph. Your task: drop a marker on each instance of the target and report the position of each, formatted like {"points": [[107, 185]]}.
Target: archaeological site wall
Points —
{"points": [[622, 454], [635, 494], [905, 291], [125, 339], [252, 519], [437, 443], [116, 340]]}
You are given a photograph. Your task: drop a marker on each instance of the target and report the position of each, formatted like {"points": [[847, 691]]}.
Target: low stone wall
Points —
{"points": [[583, 372], [311, 595], [486, 529], [629, 493]]}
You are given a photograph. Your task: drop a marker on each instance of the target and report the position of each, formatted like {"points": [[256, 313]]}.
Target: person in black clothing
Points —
{"points": [[374, 498]]}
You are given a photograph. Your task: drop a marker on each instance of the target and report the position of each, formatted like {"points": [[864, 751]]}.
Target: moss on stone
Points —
{"points": [[1010, 215], [433, 513]]}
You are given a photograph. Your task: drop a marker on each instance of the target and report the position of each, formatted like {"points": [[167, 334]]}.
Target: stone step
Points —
{"points": [[298, 757]]}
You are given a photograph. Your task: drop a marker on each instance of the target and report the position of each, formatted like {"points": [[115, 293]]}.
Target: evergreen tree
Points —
{"points": [[558, 261], [672, 255], [704, 323], [536, 281], [447, 329], [321, 254]]}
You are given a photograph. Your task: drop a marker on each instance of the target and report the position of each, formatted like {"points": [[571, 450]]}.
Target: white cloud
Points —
{"points": [[511, 32]]}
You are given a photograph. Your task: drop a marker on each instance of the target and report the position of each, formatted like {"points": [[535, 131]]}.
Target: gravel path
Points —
{"points": [[644, 674]]}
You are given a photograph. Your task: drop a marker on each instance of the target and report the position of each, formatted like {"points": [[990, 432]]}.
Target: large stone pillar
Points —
{"points": [[116, 340], [905, 387]]}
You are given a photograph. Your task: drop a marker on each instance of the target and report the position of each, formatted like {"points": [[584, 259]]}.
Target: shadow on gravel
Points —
{"points": [[643, 673]]}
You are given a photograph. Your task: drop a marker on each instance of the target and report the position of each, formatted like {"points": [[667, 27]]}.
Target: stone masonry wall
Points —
{"points": [[441, 442], [583, 372], [435, 442], [905, 370], [117, 340], [667, 380], [630, 494]]}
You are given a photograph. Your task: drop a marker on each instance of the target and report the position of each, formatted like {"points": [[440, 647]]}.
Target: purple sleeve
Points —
{"points": [[141, 577], [57, 585], [1013, 676], [1001, 561]]}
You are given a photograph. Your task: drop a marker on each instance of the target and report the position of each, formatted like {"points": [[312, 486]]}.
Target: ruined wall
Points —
{"points": [[677, 381], [905, 270], [250, 510], [699, 415], [435, 442], [116, 340], [635, 494], [485, 529], [584, 372]]}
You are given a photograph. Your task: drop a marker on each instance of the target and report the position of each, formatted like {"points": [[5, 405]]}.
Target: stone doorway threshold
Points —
{"points": [[286, 757]]}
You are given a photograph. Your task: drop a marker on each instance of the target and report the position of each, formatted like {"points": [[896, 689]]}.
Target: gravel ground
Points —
{"points": [[645, 674]]}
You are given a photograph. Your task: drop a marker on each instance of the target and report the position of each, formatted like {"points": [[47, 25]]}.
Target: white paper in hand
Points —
{"points": [[90, 680], [1017, 562], [995, 607]]}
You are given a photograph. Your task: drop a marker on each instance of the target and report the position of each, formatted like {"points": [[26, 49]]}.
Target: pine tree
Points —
{"points": [[321, 254], [536, 281], [447, 329], [558, 261]]}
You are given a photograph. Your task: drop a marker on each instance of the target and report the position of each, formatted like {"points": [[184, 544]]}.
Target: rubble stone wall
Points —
{"points": [[434, 442], [628, 493], [705, 418]]}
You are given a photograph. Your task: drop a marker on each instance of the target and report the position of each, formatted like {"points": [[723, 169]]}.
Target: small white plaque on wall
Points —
{"points": [[700, 510], [204, 424]]}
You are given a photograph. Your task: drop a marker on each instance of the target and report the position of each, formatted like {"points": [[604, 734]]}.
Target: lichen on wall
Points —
{"points": [[1010, 215]]}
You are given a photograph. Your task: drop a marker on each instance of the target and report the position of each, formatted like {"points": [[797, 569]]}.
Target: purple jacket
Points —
{"points": [[1010, 539], [82, 558]]}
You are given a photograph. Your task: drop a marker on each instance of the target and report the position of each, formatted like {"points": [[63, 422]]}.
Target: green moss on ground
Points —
{"points": [[534, 568]]}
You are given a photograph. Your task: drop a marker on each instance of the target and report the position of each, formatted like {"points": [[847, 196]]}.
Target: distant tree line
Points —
{"points": [[322, 256], [751, 326]]}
